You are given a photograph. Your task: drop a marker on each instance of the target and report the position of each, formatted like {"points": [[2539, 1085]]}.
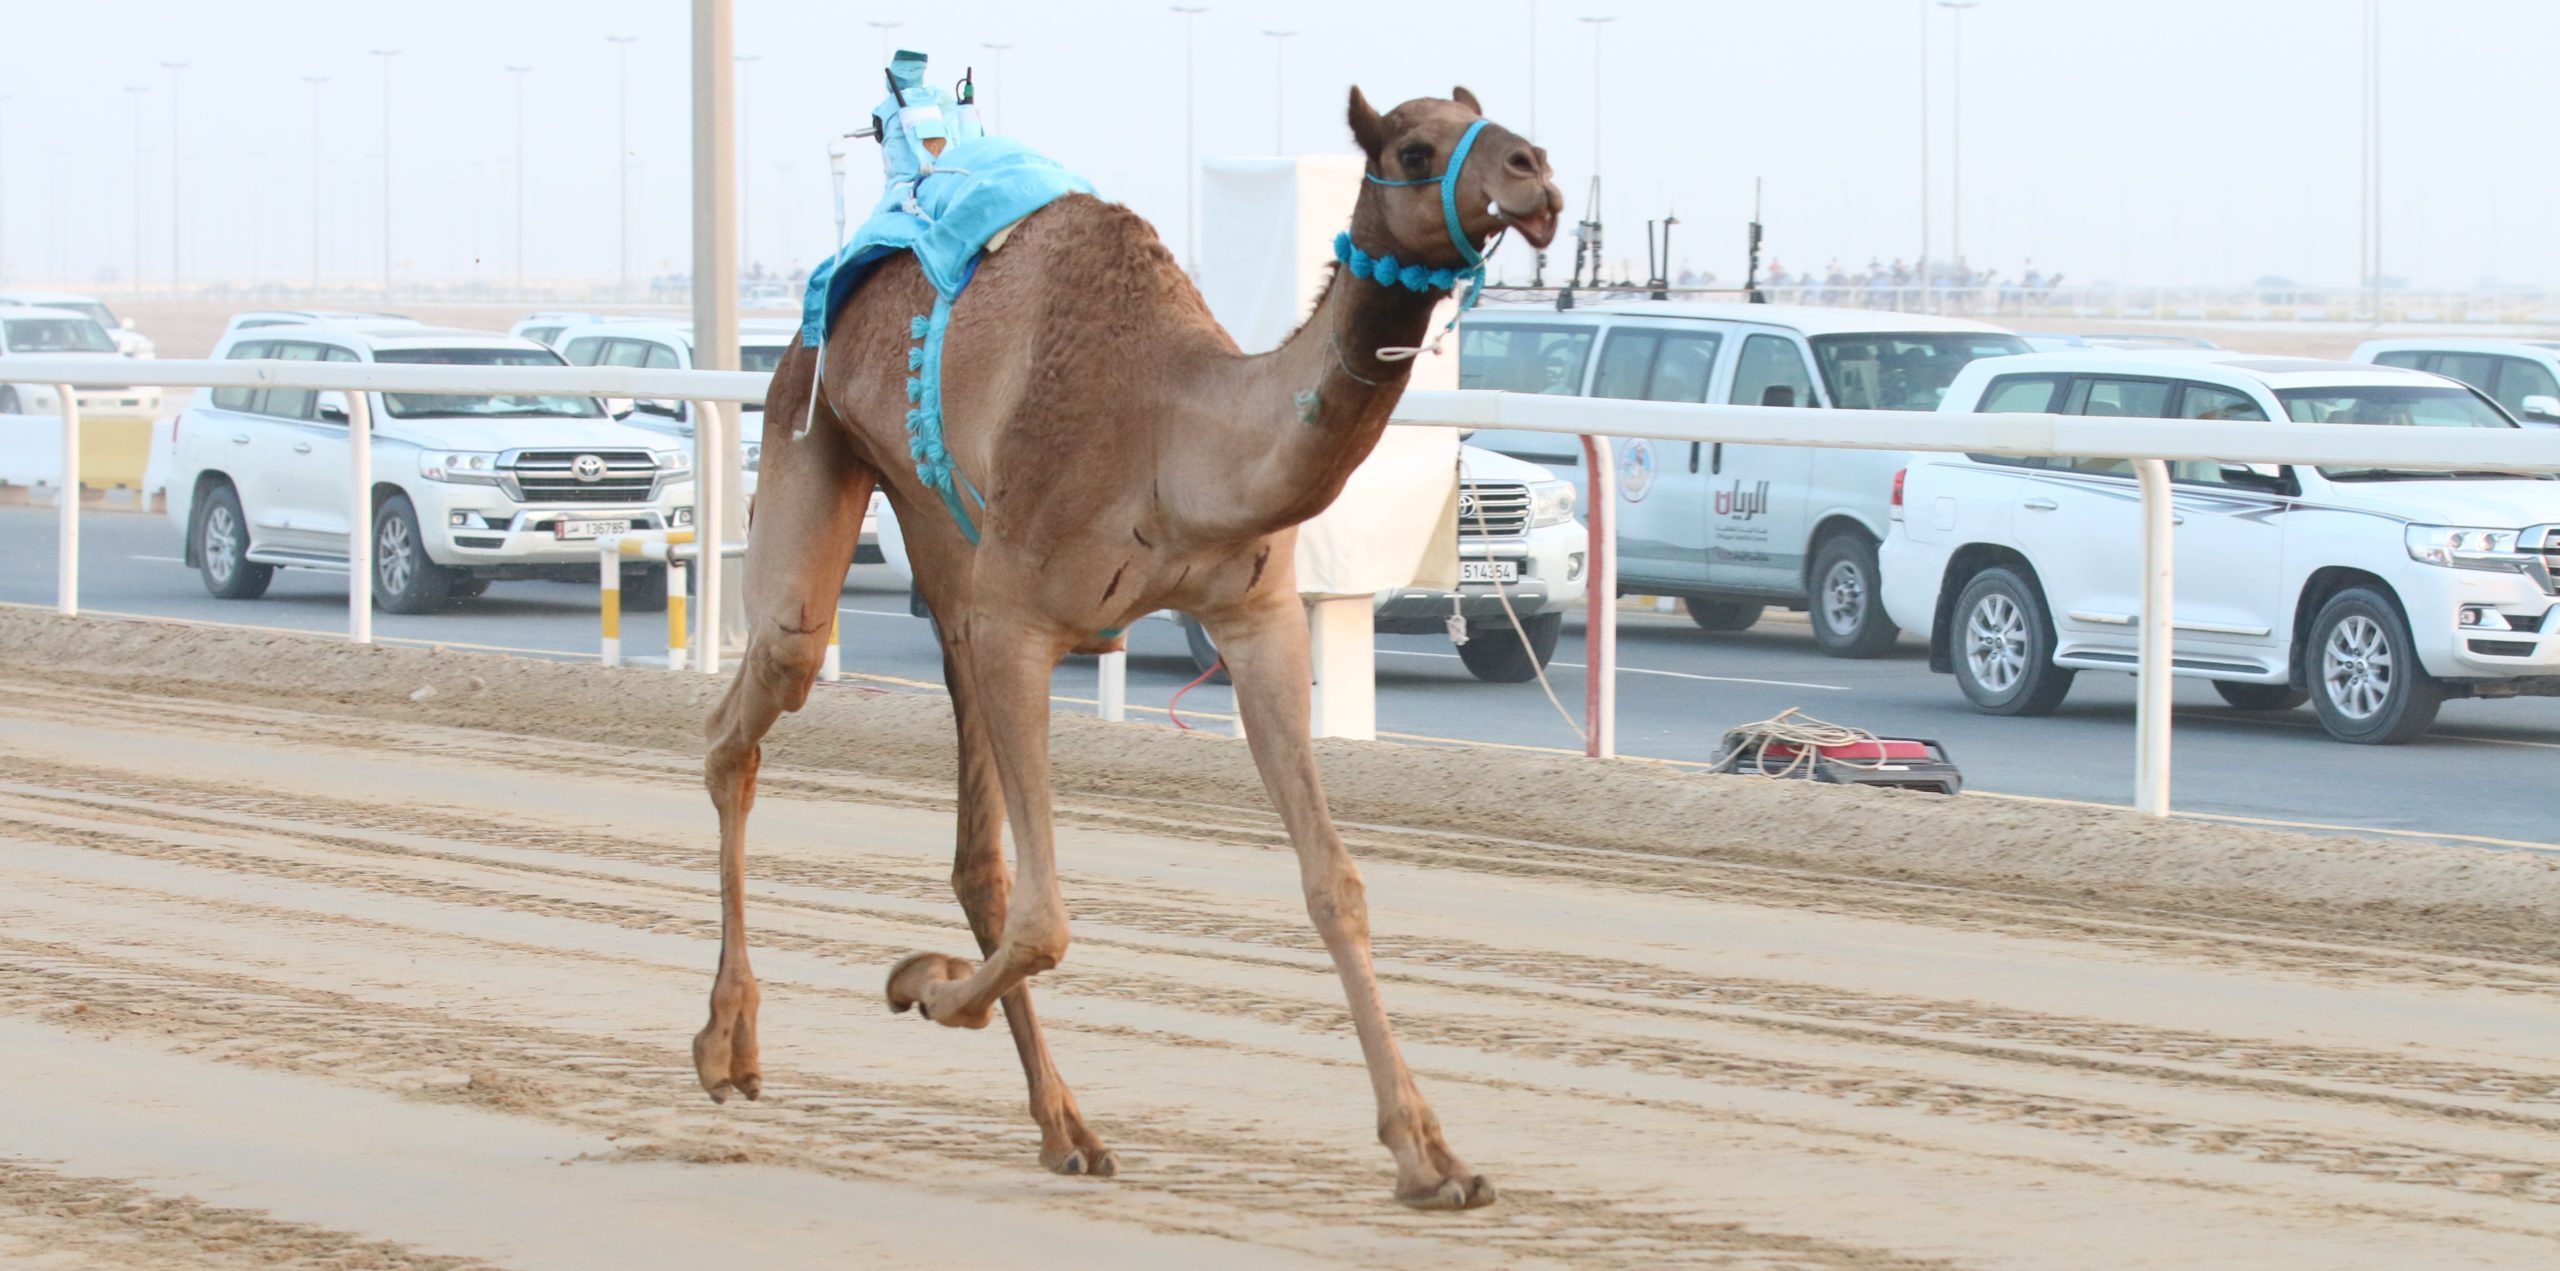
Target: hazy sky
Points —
{"points": [[2139, 140]]}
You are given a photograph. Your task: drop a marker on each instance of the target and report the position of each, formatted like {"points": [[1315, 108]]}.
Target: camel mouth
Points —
{"points": [[1538, 227]]}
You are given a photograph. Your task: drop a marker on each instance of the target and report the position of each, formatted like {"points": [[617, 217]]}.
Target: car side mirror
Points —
{"points": [[333, 406], [2256, 476], [2540, 406], [1778, 395], [618, 407], [124, 324], [661, 406]]}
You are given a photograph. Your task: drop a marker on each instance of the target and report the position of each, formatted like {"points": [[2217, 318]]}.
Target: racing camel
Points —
{"points": [[1122, 456]]}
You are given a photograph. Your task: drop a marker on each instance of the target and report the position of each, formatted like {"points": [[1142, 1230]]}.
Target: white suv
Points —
{"points": [[2376, 593], [29, 331], [468, 488], [1733, 529], [2522, 375], [129, 342]]}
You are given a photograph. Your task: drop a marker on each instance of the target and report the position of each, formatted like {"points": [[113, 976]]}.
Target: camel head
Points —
{"points": [[1505, 181]]}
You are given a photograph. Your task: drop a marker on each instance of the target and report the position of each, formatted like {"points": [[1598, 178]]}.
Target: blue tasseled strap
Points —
{"points": [[924, 420]]}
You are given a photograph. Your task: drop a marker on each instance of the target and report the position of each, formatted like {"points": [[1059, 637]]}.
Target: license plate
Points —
{"points": [[1488, 571], [591, 529]]}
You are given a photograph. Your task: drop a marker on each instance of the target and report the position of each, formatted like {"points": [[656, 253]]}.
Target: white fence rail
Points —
{"points": [[2148, 442]]}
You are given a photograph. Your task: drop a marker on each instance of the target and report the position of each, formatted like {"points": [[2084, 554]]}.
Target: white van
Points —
{"points": [[2521, 375], [1733, 529]]}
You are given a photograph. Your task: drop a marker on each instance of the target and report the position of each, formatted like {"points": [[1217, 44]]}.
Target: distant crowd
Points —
{"points": [[1888, 286]]}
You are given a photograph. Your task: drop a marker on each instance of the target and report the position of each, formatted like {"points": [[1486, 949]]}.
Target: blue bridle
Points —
{"points": [[1388, 271]]}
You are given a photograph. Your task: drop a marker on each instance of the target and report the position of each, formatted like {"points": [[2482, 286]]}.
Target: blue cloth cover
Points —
{"points": [[944, 209]]}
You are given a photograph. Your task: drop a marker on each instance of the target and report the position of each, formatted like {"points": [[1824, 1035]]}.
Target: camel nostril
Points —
{"points": [[1521, 162]]}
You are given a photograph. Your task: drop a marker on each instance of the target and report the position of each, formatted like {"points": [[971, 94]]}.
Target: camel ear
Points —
{"points": [[1464, 98], [1366, 127]]}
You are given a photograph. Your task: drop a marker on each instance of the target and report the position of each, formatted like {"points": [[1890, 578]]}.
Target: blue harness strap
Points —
{"points": [[1388, 271], [924, 418]]}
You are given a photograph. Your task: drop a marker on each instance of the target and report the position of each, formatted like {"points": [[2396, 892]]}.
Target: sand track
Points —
{"points": [[297, 971]]}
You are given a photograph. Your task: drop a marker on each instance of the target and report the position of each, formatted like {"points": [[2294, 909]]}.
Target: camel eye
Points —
{"points": [[1416, 159]]}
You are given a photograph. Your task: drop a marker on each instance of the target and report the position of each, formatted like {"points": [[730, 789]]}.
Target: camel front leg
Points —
{"points": [[1266, 651], [985, 887], [1008, 678]]}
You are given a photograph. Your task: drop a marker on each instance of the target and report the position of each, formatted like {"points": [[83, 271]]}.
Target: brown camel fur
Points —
{"points": [[1132, 460]]}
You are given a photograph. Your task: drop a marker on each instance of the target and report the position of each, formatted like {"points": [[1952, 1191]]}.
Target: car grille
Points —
{"points": [[1492, 509], [550, 476]]}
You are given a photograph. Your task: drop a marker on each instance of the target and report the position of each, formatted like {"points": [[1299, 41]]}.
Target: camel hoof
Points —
{"points": [[914, 977], [1102, 1164], [1474, 1192], [724, 1060]]}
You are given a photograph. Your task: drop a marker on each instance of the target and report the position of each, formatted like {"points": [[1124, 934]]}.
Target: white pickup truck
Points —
{"points": [[2375, 593], [468, 488]]}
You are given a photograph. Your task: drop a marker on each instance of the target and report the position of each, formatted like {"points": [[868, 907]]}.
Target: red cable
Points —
{"points": [[1214, 668]]}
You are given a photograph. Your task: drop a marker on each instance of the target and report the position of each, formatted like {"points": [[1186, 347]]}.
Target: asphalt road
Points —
{"points": [[2483, 776]]}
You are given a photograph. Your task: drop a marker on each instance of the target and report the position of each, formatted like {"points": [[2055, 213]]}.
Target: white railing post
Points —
{"points": [[675, 611], [1600, 632], [609, 598], [360, 518], [67, 584], [1343, 637], [2151, 713], [712, 451], [832, 669], [1114, 675]]}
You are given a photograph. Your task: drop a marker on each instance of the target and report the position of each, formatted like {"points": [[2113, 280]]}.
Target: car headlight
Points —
{"points": [[2465, 547], [465, 467], [755, 456], [673, 463], [1550, 503]]}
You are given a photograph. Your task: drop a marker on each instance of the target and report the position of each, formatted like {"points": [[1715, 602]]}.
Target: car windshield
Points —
{"points": [[508, 405], [98, 313], [2405, 406], [1901, 372], [759, 357], [56, 335]]}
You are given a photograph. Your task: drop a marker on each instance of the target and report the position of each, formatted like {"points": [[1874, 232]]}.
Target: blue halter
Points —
{"points": [[1388, 271]]}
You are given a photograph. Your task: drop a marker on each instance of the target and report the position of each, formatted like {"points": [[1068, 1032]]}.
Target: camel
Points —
{"points": [[1130, 459]]}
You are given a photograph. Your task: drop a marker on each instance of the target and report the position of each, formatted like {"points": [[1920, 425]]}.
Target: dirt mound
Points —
{"points": [[2447, 898]]}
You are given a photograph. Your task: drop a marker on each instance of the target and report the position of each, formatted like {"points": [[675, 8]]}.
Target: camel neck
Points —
{"points": [[1312, 409]]}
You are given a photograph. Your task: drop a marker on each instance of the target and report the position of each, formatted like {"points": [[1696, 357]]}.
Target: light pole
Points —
{"points": [[4, 185], [1190, 144], [1921, 270], [997, 124], [173, 68], [2369, 250], [386, 55], [137, 90], [747, 156], [519, 72], [1279, 85], [315, 81], [622, 159], [884, 28], [1955, 135], [1598, 23]]}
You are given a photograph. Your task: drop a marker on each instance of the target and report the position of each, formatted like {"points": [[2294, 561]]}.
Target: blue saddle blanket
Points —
{"points": [[977, 187]]}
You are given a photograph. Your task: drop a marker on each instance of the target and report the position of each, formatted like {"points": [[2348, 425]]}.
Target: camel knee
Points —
{"points": [[1036, 935], [984, 893], [786, 666], [1339, 904]]}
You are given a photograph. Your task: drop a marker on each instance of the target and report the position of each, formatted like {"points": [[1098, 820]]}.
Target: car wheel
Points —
{"points": [[1497, 655], [222, 549], [1847, 606], [1724, 615], [1204, 651], [2364, 672], [466, 586], [644, 590], [404, 579], [2004, 647], [2261, 697]]}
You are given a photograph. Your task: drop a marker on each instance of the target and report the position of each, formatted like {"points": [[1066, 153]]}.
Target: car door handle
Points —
{"points": [[2039, 505], [1694, 448], [302, 447], [239, 439]]}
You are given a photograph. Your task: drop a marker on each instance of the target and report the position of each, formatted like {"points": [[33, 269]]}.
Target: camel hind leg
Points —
{"points": [[807, 520]]}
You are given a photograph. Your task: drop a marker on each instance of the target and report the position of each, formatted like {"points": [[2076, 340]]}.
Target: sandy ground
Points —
{"points": [[321, 956]]}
